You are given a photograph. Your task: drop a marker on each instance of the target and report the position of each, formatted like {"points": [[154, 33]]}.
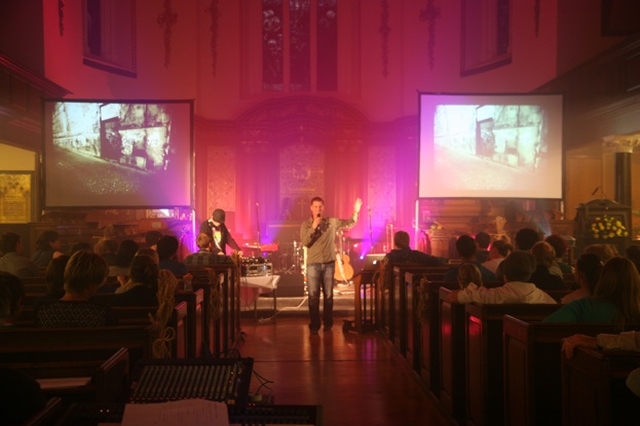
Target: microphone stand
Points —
{"points": [[370, 229], [258, 224]]}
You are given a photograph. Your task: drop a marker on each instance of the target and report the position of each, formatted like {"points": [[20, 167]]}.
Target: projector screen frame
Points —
{"points": [[548, 103], [160, 184]]}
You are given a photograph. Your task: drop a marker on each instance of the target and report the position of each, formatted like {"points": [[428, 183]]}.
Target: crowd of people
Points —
{"points": [[604, 285]]}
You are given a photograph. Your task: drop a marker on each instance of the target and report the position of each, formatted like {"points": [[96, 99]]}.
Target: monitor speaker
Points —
{"points": [[291, 285]]}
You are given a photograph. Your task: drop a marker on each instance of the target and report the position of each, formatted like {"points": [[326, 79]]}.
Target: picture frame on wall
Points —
{"points": [[16, 197], [620, 17]]}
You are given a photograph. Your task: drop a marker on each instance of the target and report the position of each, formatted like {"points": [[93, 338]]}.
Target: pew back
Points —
{"points": [[532, 367]]}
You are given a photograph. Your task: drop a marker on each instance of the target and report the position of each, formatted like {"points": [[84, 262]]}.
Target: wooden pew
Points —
{"points": [[50, 412], [484, 356], [87, 380], [452, 371], [594, 390], [195, 311], [532, 367]]}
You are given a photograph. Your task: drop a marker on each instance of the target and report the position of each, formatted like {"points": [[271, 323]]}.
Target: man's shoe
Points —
{"points": [[327, 328]]}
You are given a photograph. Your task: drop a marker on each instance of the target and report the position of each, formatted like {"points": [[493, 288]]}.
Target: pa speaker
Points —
{"points": [[291, 285]]}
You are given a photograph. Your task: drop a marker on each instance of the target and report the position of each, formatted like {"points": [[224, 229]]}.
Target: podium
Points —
{"points": [[603, 222]]}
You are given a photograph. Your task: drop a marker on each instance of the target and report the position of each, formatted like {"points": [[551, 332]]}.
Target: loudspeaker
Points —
{"points": [[291, 285]]}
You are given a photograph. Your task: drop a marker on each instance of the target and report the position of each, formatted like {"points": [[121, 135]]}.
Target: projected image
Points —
{"points": [[490, 146], [117, 154]]}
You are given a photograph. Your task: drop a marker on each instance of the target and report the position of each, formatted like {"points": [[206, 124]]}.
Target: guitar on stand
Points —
{"points": [[344, 270]]}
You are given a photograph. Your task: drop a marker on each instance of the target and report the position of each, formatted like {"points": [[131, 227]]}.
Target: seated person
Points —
{"points": [[126, 251], [168, 253], [84, 274], [604, 251], [466, 248], [498, 251], [11, 294], [20, 396], [518, 267], [483, 240], [402, 253], [47, 248], [542, 277], [633, 254], [525, 239], [151, 239], [587, 273], [203, 257], [468, 273], [13, 260], [560, 246], [615, 300], [54, 277], [107, 247], [142, 287]]}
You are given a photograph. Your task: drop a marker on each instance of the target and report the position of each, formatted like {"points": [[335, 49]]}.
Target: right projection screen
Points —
{"points": [[490, 146]]}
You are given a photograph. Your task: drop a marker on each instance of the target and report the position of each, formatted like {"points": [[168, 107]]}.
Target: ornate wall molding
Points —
{"points": [[214, 14], [430, 14], [385, 30], [622, 143], [166, 20]]}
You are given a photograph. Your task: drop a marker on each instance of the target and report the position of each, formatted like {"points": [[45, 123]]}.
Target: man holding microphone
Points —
{"points": [[318, 234]]}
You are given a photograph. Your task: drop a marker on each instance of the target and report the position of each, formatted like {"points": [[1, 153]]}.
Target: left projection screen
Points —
{"points": [[105, 153]]}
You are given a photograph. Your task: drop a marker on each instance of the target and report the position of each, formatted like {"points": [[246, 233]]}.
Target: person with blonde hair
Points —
{"points": [[543, 277], [615, 300], [604, 251], [84, 274], [469, 273]]}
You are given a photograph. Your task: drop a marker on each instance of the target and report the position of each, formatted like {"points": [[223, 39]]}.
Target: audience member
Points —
{"points": [[11, 299], [587, 273], [203, 257], [402, 252], [498, 251], [518, 267], [47, 248], [150, 253], [604, 251], [525, 239], [54, 277], [81, 245], [466, 248], [633, 254], [13, 260], [545, 258], [142, 287], [125, 254], [468, 273], [616, 298], [483, 240], [151, 239], [167, 252], [20, 396], [83, 275], [107, 248], [560, 246]]}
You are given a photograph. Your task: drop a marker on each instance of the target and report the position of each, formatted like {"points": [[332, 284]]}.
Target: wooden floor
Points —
{"points": [[358, 379]]}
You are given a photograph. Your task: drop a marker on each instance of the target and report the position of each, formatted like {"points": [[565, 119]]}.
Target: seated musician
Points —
{"points": [[84, 274], [517, 268]]}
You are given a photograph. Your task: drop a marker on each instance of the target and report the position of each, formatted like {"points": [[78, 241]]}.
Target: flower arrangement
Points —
{"points": [[607, 227], [434, 226]]}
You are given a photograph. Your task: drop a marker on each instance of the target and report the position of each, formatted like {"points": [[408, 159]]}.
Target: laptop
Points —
{"points": [[372, 261]]}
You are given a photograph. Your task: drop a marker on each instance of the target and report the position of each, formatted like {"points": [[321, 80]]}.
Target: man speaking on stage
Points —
{"points": [[318, 234]]}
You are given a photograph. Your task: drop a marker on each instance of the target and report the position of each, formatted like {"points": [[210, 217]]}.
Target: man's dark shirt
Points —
{"points": [[545, 280], [407, 255]]}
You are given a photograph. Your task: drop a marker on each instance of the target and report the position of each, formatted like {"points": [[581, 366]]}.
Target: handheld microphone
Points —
{"points": [[319, 215]]}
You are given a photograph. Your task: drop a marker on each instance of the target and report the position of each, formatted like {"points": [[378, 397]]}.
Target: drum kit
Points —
{"points": [[286, 258]]}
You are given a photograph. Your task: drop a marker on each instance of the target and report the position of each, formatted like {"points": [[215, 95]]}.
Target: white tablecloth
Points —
{"points": [[252, 287]]}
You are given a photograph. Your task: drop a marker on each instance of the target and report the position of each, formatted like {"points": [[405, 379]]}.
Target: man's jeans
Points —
{"points": [[320, 277]]}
